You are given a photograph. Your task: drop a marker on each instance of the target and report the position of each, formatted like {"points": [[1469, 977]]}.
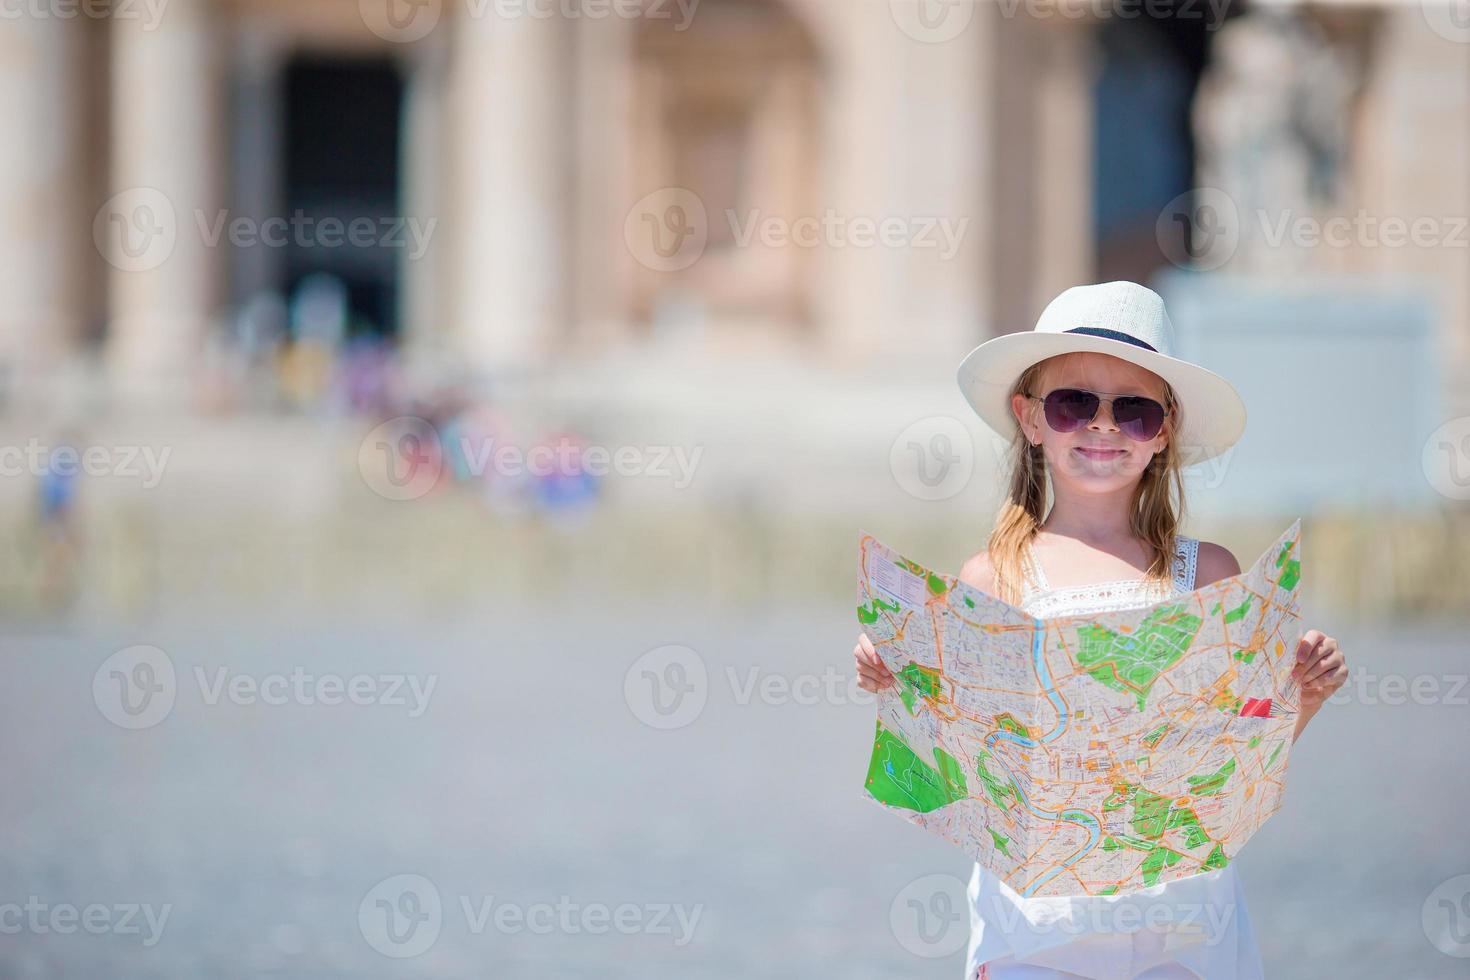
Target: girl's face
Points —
{"points": [[1098, 457]]}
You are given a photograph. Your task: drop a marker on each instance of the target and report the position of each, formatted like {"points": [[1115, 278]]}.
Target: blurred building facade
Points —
{"points": [[503, 151]]}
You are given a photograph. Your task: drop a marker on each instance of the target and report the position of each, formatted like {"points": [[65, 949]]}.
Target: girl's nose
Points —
{"points": [[1103, 420]]}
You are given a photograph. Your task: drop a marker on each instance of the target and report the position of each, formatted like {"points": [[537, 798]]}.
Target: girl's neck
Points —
{"points": [[1093, 519]]}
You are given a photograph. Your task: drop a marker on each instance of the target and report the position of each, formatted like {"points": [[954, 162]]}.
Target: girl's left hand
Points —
{"points": [[1320, 667]]}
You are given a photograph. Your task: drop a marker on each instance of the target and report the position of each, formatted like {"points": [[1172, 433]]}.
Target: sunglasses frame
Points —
{"points": [[1102, 396]]}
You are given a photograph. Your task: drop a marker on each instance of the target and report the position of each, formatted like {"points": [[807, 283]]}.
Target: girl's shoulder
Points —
{"points": [[1213, 563], [979, 573]]}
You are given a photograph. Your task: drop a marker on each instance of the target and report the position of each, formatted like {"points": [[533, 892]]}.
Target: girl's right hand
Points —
{"points": [[873, 674]]}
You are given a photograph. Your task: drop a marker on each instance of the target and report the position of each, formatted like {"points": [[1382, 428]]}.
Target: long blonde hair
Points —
{"points": [[1155, 516]]}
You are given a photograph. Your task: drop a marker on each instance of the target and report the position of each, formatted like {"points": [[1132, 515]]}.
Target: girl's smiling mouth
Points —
{"points": [[1092, 452]]}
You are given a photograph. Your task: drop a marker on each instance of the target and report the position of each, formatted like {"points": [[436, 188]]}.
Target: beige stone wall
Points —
{"points": [[532, 141]]}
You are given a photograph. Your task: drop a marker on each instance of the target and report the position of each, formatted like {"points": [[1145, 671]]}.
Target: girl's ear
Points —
{"points": [[1019, 403]]}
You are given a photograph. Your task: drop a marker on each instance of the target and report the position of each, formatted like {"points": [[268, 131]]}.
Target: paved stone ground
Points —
{"points": [[563, 835]]}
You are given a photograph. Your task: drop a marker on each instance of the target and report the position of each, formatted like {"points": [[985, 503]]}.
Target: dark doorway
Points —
{"points": [[340, 164], [1144, 146]]}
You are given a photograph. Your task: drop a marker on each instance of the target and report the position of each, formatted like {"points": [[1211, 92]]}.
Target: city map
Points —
{"points": [[1085, 755]]}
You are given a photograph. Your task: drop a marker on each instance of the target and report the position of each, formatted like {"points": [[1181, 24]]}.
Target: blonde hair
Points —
{"points": [[1156, 513]]}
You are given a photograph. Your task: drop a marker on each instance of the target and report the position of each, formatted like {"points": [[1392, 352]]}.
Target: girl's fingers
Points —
{"points": [[1323, 666], [1330, 681], [870, 656], [1308, 651]]}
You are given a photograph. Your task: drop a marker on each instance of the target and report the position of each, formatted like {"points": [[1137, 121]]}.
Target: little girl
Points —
{"points": [[1104, 415]]}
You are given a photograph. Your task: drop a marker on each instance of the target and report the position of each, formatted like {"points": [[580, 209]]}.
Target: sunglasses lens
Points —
{"points": [[1139, 418], [1069, 409]]}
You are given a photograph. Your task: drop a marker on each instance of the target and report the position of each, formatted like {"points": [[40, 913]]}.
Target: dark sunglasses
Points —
{"points": [[1069, 409]]}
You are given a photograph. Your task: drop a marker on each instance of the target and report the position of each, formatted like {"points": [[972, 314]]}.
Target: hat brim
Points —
{"points": [[1213, 411]]}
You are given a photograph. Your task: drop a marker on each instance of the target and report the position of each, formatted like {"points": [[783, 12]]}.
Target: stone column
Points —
{"points": [[1413, 154], [1063, 240], [45, 251], [906, 137], [509, 82], [164, 184]]}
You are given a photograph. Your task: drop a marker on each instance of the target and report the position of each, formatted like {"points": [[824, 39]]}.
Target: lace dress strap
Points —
{"points": [[1186, 561]]}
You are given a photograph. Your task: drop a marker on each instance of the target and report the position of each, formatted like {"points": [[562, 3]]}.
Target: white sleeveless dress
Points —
{"points": [[1186, 928]]}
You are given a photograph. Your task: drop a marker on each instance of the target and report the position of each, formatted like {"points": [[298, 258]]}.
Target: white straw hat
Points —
{"points": [[1119, 318]]}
